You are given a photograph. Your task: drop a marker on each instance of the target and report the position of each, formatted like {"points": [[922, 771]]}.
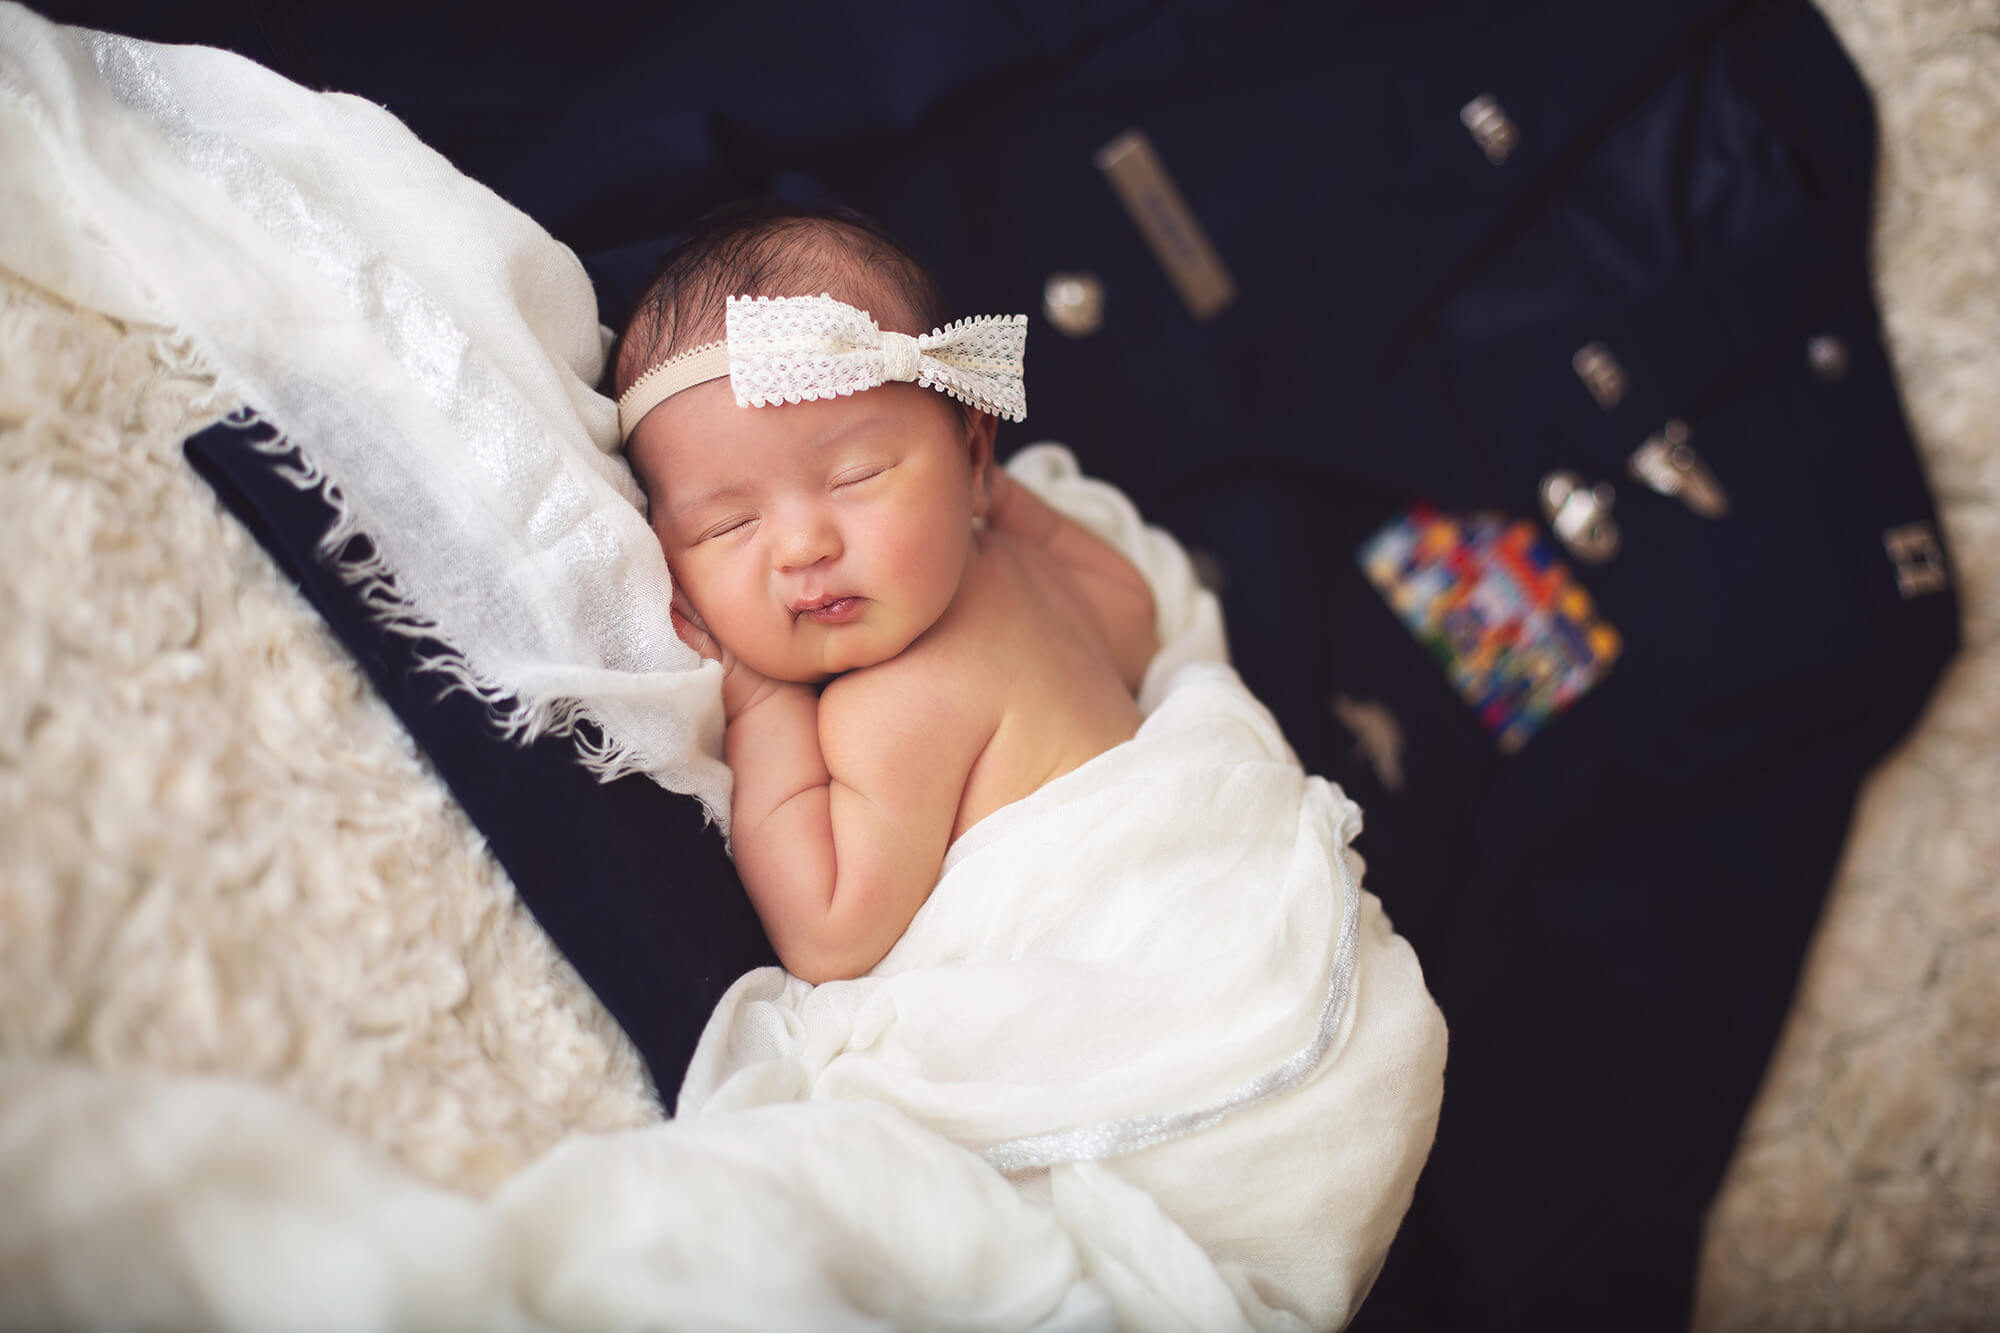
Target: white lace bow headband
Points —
{"points": [[790, 349]]}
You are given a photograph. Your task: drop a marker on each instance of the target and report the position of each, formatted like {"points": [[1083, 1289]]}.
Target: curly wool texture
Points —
{"points": [[219, 853]]}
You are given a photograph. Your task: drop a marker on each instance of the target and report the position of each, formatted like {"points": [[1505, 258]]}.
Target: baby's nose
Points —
{"points": [[808, 537]]}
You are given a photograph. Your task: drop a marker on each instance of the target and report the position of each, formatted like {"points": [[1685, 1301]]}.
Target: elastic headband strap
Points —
{"points": [[697, 365]]}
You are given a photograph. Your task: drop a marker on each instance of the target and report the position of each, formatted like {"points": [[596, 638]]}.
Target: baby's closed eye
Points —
{"points": [[860, 472], [735, 523]]}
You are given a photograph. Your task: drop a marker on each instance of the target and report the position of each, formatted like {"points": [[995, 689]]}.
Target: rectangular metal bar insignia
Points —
{"points": [[1162, 216]]}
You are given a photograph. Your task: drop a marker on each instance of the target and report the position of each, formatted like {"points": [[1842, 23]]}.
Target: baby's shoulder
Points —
{"points": [[930, 688]]}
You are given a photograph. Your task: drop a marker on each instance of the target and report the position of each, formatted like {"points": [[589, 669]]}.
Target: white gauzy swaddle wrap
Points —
{"points": [[428, 350], [1155, 982]]}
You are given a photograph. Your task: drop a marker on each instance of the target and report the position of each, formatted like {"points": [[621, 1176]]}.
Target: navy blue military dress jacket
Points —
{"points": [[1598, 281]]}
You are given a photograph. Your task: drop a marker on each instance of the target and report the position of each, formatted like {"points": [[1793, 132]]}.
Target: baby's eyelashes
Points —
{"points": [[736, 523], [854, 475]]}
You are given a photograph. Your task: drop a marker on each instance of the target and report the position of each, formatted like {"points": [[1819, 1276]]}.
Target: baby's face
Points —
{"points": [[813, 538]]}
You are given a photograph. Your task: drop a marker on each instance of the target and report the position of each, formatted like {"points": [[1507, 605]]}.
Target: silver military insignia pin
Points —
{"points": [[1668, 464], [1074, 303], [1492, 129], [1918, 558], [1580, 516], [1601, 374]]}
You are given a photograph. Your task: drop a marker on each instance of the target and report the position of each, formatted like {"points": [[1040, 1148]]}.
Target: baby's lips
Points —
{"points": [[832, 610], [802, 605]]}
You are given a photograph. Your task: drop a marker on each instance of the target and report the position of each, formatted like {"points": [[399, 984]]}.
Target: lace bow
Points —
{"points": [[788, 349], [791, 349]]}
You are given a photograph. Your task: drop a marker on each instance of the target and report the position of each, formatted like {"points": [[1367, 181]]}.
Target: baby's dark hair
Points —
{"points": [[767, 247]]}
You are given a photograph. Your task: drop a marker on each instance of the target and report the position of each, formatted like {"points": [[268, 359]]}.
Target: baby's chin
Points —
{"points": [[820, 672], [815, 659]]}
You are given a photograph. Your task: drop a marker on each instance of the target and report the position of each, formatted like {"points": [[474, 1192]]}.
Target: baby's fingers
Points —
{"points": [[688, 626]]}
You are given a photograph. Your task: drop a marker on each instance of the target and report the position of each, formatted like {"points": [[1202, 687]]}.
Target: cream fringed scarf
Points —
{"points": [[427, 352]]}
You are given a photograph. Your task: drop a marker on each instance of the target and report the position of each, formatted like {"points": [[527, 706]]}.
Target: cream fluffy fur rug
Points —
{"points": [[219, 852]]}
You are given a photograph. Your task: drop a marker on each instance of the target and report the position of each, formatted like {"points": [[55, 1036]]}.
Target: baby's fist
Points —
{"points": [[741, 686], [690, 630]]}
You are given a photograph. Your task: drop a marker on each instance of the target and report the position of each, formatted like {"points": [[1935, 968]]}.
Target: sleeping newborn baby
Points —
{"points": [[895, 670], [1044, 877]]}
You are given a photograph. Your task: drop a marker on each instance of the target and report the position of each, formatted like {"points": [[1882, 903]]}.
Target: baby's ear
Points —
{"points": [[979, 431]]}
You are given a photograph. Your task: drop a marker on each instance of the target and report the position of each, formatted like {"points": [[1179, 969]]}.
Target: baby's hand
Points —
{"points": [[688, 626], [741, 686]]}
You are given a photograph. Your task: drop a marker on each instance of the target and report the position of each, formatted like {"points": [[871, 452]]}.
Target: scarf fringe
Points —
{"points": [[355, 558]]}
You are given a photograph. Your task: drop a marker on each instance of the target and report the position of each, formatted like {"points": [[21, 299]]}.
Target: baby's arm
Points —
{"points": [[1110, 586], [836, 861], [844, 808]]}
